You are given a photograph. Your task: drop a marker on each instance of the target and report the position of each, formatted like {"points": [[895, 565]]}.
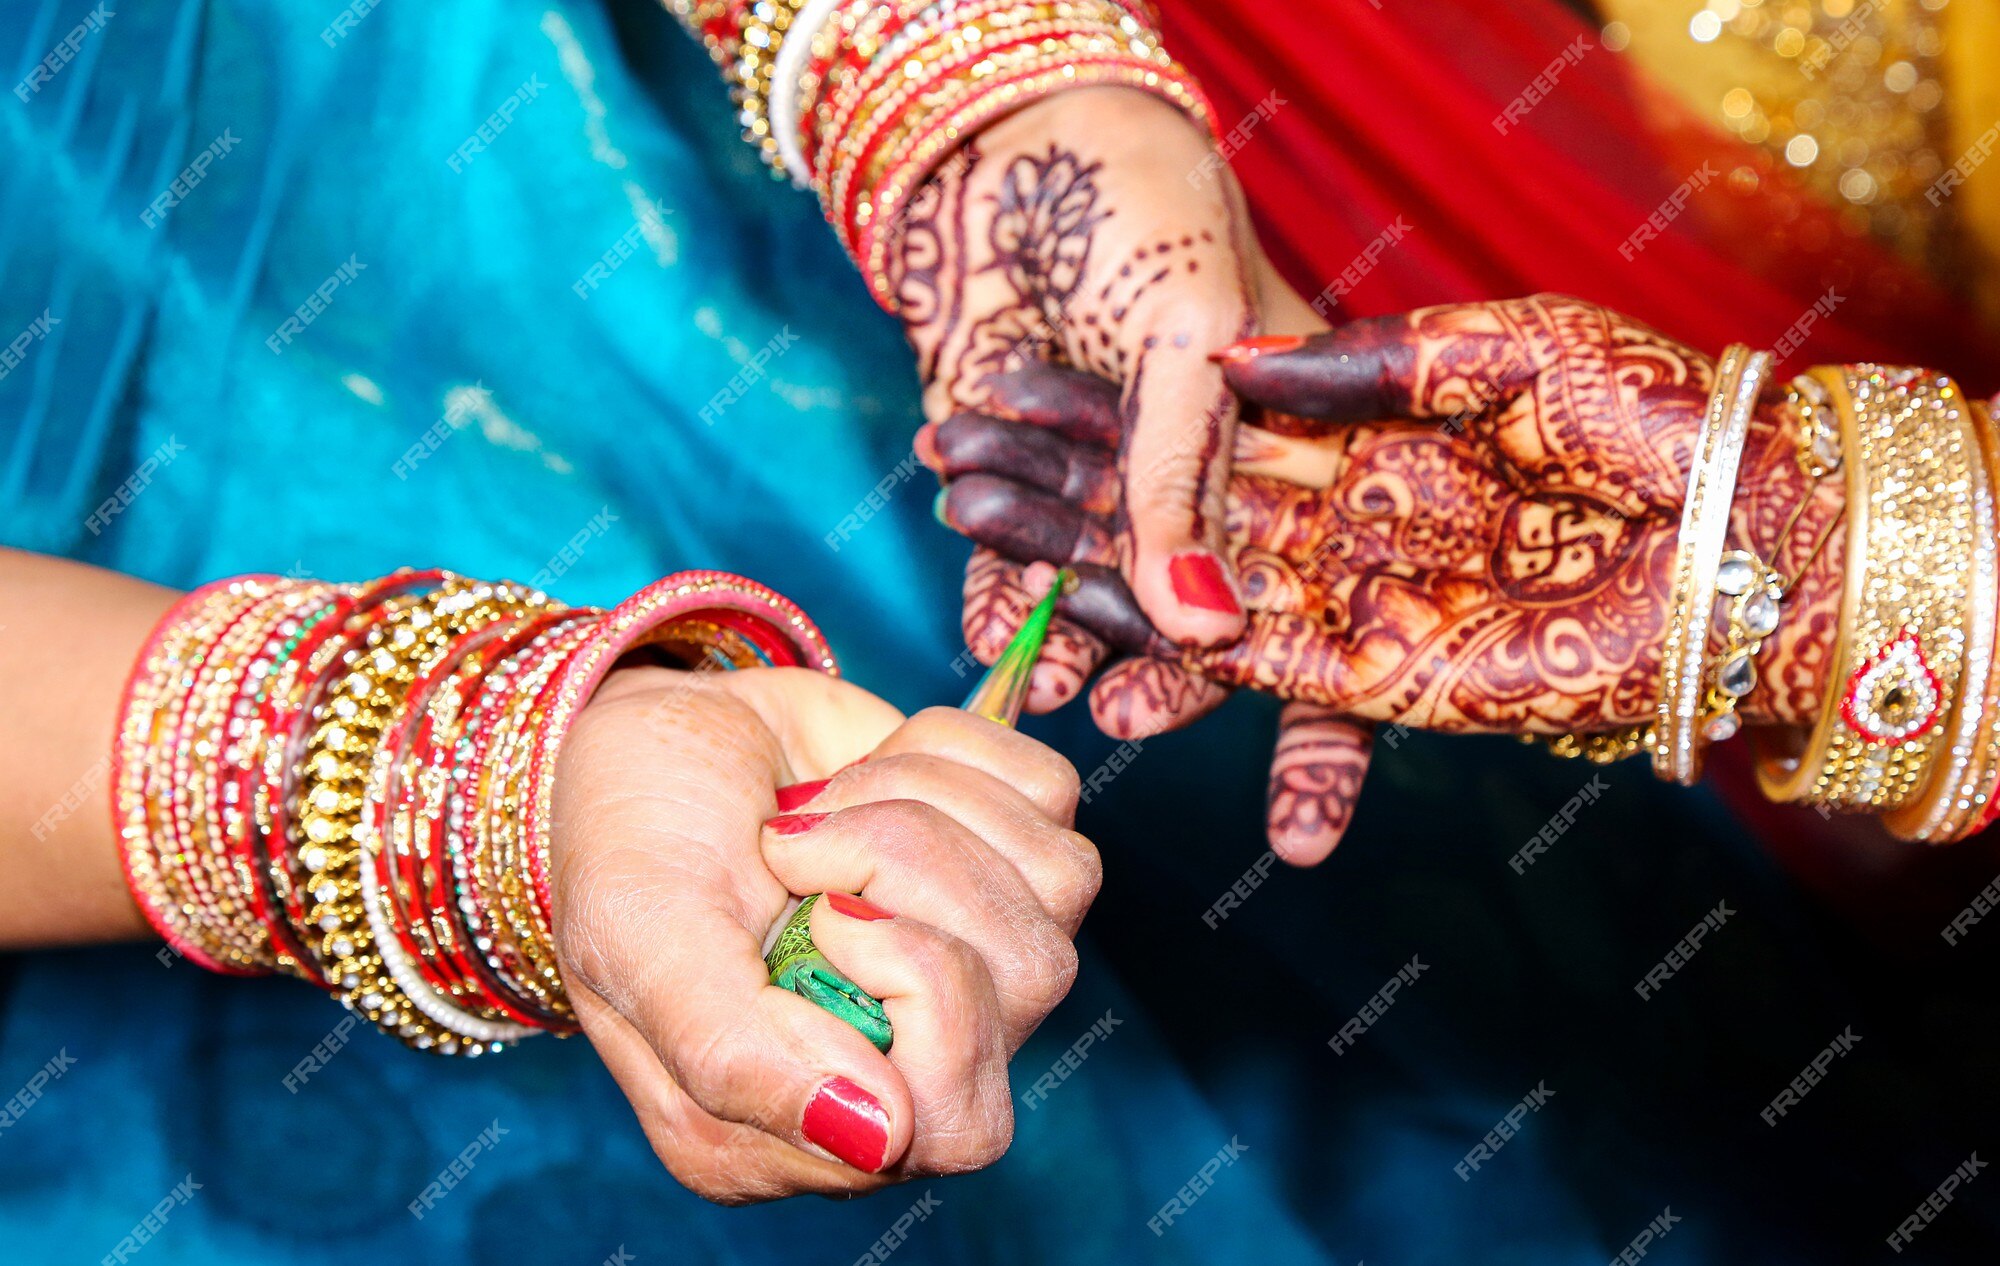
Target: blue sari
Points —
{"points": [[495, 287]]}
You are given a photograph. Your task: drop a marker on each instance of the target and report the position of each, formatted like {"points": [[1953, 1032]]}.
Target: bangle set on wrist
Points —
{"points": [[861, 100], [353, 784], [1909, 725]]}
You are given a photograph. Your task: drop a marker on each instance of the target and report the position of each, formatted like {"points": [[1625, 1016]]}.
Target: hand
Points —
{"points": [[670, 864], [1488, 541], [1096, 228]]}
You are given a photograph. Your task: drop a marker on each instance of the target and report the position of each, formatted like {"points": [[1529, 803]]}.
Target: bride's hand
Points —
{"points": [[1097, 227], [1480, 535], [671, 860]]}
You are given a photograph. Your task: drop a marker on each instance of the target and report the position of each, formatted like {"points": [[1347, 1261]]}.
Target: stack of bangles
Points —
{"points": [[1909, 726], [862, 99], [352, 783]]}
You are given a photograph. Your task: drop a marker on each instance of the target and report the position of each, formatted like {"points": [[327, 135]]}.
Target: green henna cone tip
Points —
{"points": [[797, 965], [1001, 693]]}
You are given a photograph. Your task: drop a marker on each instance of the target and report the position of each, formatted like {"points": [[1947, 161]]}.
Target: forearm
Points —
{"points": [[65, 654]]}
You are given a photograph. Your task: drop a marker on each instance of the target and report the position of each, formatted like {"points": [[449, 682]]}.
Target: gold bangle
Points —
{"points": [[1952, 803], [1907, 448], [1678, 739]]}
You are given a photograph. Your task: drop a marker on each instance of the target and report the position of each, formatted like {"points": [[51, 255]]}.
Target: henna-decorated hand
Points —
{"points": [[1475, 531], [1096, 229]]}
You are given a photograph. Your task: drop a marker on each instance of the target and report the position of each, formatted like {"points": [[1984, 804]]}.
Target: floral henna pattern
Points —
{"points": [[1500, 558], [1316, 776]]}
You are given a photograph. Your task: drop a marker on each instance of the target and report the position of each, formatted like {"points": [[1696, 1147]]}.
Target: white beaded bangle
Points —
{"points": [[782, 108]]}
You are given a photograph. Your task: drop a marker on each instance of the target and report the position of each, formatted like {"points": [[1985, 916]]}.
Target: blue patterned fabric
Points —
{"points": [[264, 272]]}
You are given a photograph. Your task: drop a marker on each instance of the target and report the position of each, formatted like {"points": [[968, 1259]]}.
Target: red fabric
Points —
{"points": [[1390, 113], [1389, 118]]}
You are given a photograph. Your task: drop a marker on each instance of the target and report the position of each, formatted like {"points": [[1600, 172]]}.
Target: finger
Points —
{"points": [[916, 859], [1036, 770], [1434, 362], [1140, 698], [951, 1043], [1025, 524], [996, 604], [1296, 656], [1307, 462], [1045, 862], [1101, 602], [1073, 403], [970, 444], [1175, 470], [690, 980], [1316, 774]]}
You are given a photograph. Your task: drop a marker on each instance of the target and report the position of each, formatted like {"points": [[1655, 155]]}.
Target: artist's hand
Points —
{"points": [[1479, 534], [1097, 228], [670, 862]]}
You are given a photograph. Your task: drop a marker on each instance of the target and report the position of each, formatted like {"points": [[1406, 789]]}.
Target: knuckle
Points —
{"points": [[713, 1062], [1085, 865]]}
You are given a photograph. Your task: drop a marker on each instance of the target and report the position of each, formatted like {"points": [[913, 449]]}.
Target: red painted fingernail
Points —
{"points": [[856, 907], [1199, 581], [799, 793], [1249, 349], [848, 1122], [796, 823]]}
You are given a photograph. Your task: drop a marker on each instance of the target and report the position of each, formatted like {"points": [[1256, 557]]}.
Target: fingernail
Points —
{"points": [[1249, 349], [1199, 581], [937, 507], [856, 907], [796, 823], [848, 1122], [800, 793]]}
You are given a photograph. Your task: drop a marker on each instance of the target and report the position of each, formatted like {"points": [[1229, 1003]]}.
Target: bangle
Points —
{"points": [[1907, 449], [1678, 742], [1956, 800]]}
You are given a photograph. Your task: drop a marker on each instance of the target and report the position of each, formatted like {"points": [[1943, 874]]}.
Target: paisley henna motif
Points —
{"points": [[1507, 571]]}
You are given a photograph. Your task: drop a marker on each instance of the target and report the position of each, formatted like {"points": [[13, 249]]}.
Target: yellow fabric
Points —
{"points": [[1871, 102]]}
